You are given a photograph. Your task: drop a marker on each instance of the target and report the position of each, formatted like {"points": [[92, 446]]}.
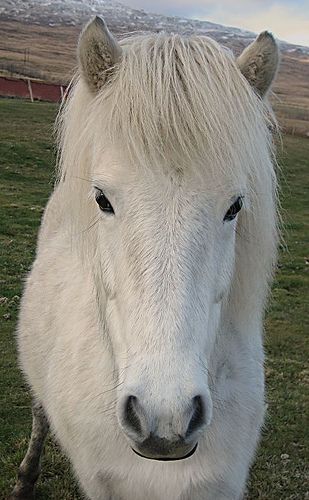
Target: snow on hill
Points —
{"points": [[121, 19]]}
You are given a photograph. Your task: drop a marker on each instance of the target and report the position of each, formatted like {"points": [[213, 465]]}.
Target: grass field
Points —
{"points": [[26, 179]]}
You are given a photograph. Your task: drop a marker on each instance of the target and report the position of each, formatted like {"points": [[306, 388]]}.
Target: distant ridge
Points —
{"points": [[39, 39], [75, 12]]}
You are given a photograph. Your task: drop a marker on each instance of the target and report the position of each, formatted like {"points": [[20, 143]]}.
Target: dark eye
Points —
{"points": [[103, 202], [233, 210]]}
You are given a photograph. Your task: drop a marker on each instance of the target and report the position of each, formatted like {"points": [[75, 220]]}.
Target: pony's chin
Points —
{"points": [[167, 459]]}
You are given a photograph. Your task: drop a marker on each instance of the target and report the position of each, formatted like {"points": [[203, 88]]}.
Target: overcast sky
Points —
{"points": [[287, 19]]}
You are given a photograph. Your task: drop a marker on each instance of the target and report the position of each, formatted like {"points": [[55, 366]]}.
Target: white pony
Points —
{"points": [[140, 329]]}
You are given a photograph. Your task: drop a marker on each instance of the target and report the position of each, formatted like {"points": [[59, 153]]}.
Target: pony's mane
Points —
{"points": [[180, 102], [174, 100]]}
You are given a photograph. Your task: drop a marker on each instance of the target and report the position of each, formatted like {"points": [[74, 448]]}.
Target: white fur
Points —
{"points": [[162, 298]]}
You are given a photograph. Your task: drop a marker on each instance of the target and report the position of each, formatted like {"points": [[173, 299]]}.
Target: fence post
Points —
{"points": [[30, 89]]}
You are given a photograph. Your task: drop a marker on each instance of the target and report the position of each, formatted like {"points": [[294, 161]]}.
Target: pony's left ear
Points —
{"points": [[98, 52], [259, 62]]}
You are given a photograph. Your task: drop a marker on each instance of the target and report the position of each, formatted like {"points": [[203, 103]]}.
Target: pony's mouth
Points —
{"points": [[168, 459]]}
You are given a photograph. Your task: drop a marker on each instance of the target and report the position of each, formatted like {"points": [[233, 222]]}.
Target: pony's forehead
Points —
{"points": [[114, 171]]}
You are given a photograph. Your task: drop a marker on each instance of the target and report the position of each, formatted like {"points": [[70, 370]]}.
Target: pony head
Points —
{"points": [[166, 166]]}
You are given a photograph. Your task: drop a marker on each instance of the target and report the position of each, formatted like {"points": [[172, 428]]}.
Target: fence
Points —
{"points": [[30, 89]]}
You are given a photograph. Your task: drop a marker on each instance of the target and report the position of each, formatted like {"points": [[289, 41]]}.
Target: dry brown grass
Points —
{"points": [[291, 100], [51, 50]]}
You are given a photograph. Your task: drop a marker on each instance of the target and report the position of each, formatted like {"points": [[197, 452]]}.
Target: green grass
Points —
{"points": [[27, 161]]}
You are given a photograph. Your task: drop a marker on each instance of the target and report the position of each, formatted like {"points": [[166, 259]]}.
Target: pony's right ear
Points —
{"points": [[98, 52], [259, 62]]}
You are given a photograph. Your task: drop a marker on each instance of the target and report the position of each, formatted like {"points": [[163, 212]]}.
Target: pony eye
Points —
{"points": [[103, 202], [233, 210]]}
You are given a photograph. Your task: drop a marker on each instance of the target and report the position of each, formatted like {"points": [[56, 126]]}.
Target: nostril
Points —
{"points": [[131, 418], [198, 417]]}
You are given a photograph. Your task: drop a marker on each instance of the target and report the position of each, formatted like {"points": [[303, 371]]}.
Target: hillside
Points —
{"points": [[39, 40]]}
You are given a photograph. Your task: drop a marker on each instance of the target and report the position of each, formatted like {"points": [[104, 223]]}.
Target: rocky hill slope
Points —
{"points": [[39, 39]]}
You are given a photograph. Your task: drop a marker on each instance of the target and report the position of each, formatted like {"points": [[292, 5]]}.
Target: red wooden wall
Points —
{"points": [[12, 87]]}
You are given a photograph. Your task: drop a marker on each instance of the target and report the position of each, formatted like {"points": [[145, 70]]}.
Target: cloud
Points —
{"points": [[286, 22], [287, 19], [200, 7]]}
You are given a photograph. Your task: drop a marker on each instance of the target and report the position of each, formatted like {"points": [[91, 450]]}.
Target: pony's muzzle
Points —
{"points": [[154, 448], [161, 437]]}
